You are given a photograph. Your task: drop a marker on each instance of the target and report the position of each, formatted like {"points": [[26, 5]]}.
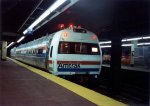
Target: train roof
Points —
{"points": [[45, 39]]}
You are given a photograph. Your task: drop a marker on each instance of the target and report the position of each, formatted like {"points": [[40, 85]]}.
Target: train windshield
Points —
{"points": [[78, 48]]}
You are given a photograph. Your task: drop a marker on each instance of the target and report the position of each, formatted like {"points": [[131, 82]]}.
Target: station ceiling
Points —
{"points": [[107, 18]]}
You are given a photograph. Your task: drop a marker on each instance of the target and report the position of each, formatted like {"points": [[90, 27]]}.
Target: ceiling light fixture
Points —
{"points": [[105, 42], [45, 14], [10, 44], [21, 39], [146, 37], [132, 39]]}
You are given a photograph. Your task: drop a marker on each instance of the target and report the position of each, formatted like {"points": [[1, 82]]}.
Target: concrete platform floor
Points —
{"points": [[21, 87]]}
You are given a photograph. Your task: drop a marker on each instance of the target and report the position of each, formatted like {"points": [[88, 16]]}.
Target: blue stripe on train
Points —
{"points": [[78, 69]]}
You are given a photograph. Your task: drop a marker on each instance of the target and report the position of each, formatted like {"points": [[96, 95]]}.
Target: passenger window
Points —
{"points": [[40, 51], [84, 49], [77, 47], [64, 48]]}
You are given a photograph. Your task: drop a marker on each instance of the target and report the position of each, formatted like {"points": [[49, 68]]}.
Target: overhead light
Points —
{"points": [[45, 14], [123, 40], [106, 46], [105, 42], [10, 44], [56, 5], [143, 43], [126, 45], [129, 39], [146, 43], [21, 39], [132, 39], [140, 44], [25, 31], [146, 37]]}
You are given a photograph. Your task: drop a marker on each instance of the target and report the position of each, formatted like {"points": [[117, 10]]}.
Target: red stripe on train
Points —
{"points": [[50, 61], [80, 62]]}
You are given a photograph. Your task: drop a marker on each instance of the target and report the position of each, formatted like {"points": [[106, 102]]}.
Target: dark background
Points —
{"points": [[106, 18]]}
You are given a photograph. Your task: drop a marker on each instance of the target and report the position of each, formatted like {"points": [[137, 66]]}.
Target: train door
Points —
{"points": [[46, 60], [51, 61]]}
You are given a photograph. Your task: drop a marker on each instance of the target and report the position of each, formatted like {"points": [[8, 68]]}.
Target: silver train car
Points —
{"points": [[66, 52]]}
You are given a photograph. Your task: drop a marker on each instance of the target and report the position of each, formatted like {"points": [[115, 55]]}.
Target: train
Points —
{"points": [[140, 58], [70, 51]]}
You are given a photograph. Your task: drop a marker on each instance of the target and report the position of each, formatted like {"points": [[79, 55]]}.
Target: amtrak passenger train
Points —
{"points": [[66, 52]]}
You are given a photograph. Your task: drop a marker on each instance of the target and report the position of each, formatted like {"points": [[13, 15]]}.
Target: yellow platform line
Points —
{"points": [[97, 98]]}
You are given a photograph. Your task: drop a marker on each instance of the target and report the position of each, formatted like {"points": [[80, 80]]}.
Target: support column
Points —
{"points": [[133, 46], [0, 22], [4, 50], [149, 90], [115, 66], [0, 30], [0, 57]]}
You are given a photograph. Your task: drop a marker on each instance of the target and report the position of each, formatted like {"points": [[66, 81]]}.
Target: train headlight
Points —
{"points": [[94, 49], [65, 35]]}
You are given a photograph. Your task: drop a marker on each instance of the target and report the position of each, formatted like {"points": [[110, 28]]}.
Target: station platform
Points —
{"points": [[24, 85]]}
